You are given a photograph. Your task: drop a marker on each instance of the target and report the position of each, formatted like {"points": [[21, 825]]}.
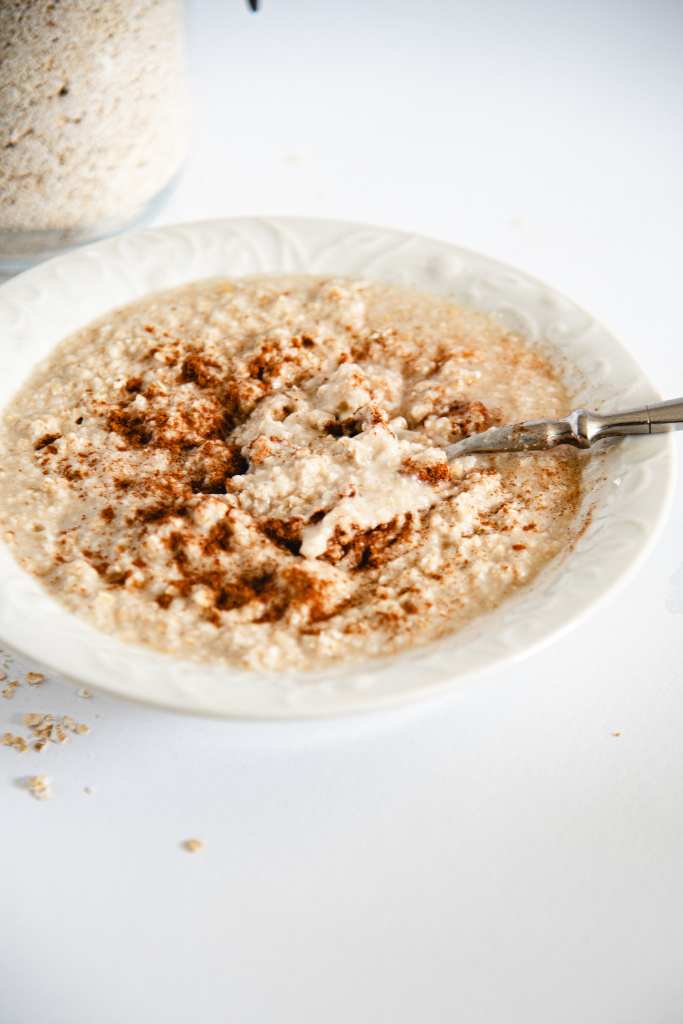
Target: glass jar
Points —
{"points": [[92, 119]]}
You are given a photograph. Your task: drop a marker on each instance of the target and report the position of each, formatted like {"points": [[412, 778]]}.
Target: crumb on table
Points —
{"points": [[193, 845], [39, 786]]}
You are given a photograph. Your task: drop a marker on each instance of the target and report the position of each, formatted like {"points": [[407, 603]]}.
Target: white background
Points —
{"points": [[496, 856]]}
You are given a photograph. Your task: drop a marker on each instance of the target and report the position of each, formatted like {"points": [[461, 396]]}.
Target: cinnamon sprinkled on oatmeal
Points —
{"points": [[253, 471]]}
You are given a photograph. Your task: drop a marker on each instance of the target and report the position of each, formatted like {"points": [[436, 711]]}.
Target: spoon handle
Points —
{"points": [[648, 419], [580, 429]]}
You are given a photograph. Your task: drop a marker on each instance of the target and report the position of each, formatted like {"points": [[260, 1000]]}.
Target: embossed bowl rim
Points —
{"points": [[628, 486]]}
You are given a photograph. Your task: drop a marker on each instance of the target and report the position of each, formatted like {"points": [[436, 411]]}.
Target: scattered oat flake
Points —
{"points": [[84, 693], [44, 729], [9, 690], [3, 675], [34, 678], [18, 742], [39, 786], [193, 845]]}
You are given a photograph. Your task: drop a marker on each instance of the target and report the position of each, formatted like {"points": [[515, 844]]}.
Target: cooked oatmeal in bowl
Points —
{"points": [[251, 471]]}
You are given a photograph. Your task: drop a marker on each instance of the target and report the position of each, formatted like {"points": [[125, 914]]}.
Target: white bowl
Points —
{"points": [[628, 484]]}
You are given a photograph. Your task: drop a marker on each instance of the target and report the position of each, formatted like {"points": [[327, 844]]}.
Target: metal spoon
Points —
{"points": [[580, 428]]}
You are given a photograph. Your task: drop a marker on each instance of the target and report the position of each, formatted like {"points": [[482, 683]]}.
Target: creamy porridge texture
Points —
{"points": [[253, 470]]}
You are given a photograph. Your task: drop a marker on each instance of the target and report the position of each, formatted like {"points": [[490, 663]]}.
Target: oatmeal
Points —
{"points": [[253, 471]]}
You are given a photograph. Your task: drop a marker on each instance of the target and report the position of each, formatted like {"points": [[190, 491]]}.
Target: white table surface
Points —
{"points": [[497, 855]]}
